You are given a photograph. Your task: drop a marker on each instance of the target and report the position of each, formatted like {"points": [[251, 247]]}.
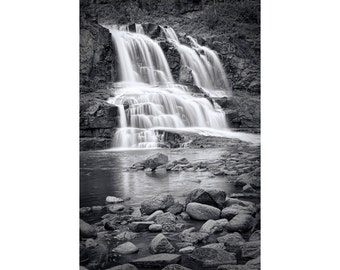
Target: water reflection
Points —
{"points": [[102, 174]]}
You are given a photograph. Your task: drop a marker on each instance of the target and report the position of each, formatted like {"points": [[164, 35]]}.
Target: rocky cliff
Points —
{"points": [[230, 27]]}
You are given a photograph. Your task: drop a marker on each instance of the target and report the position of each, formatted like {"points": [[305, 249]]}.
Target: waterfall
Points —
{"points": [[207, 69], [147, 97]]}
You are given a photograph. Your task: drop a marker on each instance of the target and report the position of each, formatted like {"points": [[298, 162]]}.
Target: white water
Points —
{"points": [[149, 100], [206, 67]]}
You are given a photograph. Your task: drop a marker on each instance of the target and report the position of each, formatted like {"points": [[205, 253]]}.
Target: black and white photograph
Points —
{"points": [[170, 135]]}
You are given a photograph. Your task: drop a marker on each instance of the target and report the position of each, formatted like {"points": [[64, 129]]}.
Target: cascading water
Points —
{"points": [[207, 69], [147, 97]]}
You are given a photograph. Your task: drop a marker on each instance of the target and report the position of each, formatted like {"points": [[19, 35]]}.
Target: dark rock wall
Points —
{"points": [[96, 55], [98, 122]]}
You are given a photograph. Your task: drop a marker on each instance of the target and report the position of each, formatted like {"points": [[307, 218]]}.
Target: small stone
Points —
{"points": [[126, 248], [140, 226], [175, 267], [185, 216], [157, 260], [210, 227], [256, 236], [187, 250], [251, 249], [158, 202], [84, 211], [248, 188], [240, 223], [208, 258], [97, 209], [176, 208], [189, 235], [154, 215], [160, 244], [233, 210], [112, 199], [126, 236], [155, 228], [215, 245], [110, 225], [115, 208], [233, 242], [125, 266], [87, 230]]}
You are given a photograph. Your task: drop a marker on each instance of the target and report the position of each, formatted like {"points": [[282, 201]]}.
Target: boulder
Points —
{"points": [[233, 242], [202, 258], [190, 236], [200, 196], [184, 216], [158, 202], [251, 249], [160, 244], [126, 236], [140, 226], [157, 260], [218, 196], [156, 160], [125, 266], [240, 223], [126, 248], [86, 230], [155, 228], [202, 211]]}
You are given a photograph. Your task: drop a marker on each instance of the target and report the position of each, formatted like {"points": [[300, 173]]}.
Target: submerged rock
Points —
{"points": [[202, 211], [160, 244]]}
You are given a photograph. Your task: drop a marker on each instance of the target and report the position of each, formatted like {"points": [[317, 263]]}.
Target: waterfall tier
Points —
{"points": [[149, 100]]}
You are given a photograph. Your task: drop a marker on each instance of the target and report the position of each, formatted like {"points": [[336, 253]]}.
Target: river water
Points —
{"points": [[103, 173]]}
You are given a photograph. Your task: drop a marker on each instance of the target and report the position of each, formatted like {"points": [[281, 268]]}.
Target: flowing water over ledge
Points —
{"points": [[102, 174]]}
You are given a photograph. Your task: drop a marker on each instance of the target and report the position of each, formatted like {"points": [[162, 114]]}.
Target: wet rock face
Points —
{"points": [[96, 55], [98, 121], [173, 57]]}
